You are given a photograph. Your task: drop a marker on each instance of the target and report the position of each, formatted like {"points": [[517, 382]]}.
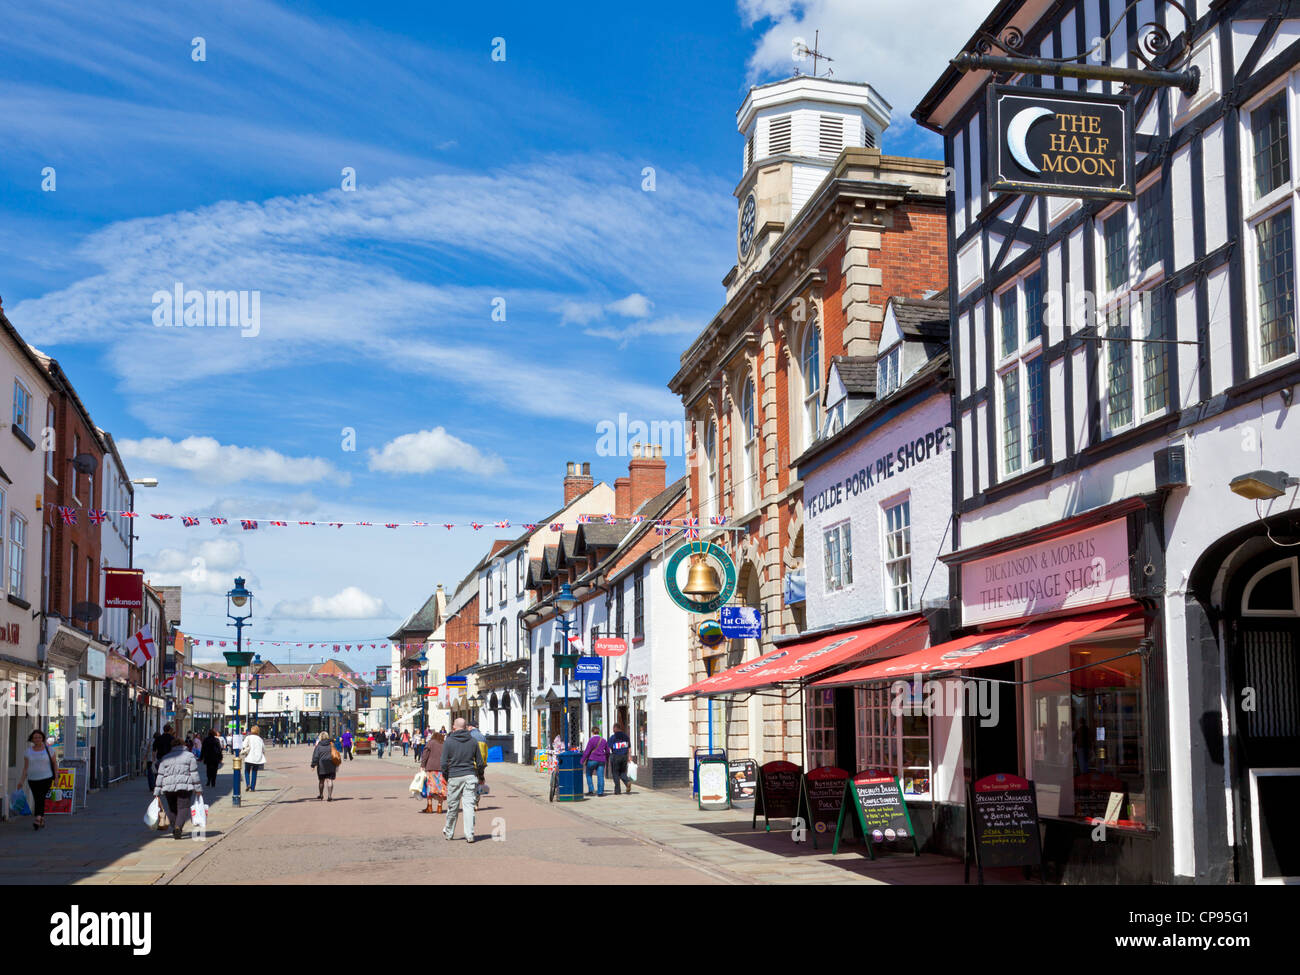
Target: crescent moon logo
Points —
{"points": [[1018, 131]]}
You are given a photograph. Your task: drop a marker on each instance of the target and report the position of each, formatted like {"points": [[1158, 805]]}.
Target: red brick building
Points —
{"points": [[828, 230]]}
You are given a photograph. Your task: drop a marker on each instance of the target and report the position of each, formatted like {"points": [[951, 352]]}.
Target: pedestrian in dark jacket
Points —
{"points": [[593, 760], [325, 764], [210, 755], [178, 783], [620, 747], [462, 766]]}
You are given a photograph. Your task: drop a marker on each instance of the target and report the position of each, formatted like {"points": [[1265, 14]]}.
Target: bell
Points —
{"points": [[702, 581]]}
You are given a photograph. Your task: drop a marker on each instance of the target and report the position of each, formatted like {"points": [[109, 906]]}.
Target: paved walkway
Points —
{"points": [[724, 840], [108, 843]]}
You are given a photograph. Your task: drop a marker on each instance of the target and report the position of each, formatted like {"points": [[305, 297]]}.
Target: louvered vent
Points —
{"points": [[869, 139], [749, 151], [831, 135], [778, 135]]}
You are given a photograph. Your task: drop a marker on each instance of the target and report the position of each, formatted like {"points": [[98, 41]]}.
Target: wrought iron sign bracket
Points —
{"points": [[1152, 43]]}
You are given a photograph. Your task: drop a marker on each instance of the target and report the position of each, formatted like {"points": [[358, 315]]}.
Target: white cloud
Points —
{"points": [[349, 603], [227, 463], [899, 48], [201, 567], [623, 334], [633, 306], [432, 450]]}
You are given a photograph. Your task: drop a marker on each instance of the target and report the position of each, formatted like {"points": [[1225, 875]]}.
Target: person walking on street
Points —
{"points": [[345, 744], [254, 755], [419, 745], [178, 782], [593, 760], [406, 742], [325, 760], [210, 755], [462, 767], [162, 744], [435, 786], [381, 740], [619, 748], [39, 767]]}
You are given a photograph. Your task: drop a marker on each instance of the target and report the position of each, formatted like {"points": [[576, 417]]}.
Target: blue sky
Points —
{"points": [[477, 181]]}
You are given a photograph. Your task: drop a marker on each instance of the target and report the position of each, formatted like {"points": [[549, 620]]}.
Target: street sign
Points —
{"points": [[742, 622], [589, 668], [591, 692]]}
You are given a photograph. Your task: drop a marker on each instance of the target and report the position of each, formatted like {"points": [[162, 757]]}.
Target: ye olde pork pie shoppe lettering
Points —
{"points": [[903, 457], [1061, 143]]}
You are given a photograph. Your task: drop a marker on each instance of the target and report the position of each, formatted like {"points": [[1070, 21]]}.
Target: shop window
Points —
{"points": [[838, 547], [821, 728], [1087, 744], [898, 556], [896, 742]]}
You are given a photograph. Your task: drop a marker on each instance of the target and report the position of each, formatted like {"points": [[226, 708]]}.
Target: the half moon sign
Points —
{"points": [[1018, 131]]}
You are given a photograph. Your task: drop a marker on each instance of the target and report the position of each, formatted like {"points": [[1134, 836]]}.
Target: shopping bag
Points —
{"points": [[484, 789], [199, 813], [18, 803], [151, 814], [417, 783]]}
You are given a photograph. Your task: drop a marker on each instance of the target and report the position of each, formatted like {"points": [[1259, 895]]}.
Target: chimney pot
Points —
{"points": [[636, 448], [586, 469]]}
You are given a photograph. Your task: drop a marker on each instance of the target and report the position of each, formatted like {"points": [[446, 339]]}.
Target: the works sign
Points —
{"points": [[1060, 143]]}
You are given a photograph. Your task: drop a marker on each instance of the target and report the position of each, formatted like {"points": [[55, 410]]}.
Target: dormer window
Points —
{"points": [[888, 371]]}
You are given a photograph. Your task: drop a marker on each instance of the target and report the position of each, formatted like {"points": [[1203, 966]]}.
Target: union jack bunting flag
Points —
{"points": [[336, 524], [636, 519], [160, 517], [610, 519], [69, 515], [281, 524], [188, 521], [306, 522], [97, 516], [663, 527], [557, 526], [419, 524], [391, 524], [218, 521], [692, 526], [247, 524], [128, 514], [584, 519], [530, 526], [449, 527], [475, 525], [503, 524], [365, 524], [717, 519]]}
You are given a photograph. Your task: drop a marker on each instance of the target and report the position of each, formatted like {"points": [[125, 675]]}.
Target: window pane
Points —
{"points": [[1034, 395], [1011, 422], [1115, 230], [1149, 228], [846, 542], [1009, 343], [1033, 306], [1119, 384], [1272, 153], [1276, 287], [1155, 355]]}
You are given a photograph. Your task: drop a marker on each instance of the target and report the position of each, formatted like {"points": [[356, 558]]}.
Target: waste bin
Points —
{"points": [[568, 777]]}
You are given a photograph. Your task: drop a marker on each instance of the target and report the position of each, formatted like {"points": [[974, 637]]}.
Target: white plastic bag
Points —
{"points": [[199, 813], [151, 814], [417, 783]]}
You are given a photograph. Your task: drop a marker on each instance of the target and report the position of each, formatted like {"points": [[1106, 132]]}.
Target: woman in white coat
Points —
{"points": [[253, 751]]}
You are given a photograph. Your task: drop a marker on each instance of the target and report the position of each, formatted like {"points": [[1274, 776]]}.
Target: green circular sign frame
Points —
{"points": [[709, 550]]}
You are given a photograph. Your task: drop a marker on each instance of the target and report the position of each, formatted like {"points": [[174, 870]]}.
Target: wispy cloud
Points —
{"points": [[227, 463], [432, 450], [350, 603]]}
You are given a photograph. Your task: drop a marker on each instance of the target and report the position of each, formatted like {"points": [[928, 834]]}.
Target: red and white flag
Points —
{"points": [[142, 647]]}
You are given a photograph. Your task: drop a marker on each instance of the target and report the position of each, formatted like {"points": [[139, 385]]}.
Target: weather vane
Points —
{"points": [[804, 51]]}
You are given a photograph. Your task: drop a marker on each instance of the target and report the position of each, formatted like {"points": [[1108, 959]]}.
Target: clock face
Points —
{"points": [[748, 217]]}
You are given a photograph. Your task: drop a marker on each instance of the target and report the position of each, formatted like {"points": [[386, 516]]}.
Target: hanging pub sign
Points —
{"points": [[876, 799], [1004, 823], [822, 799], [778, 793], [1060, 143]]}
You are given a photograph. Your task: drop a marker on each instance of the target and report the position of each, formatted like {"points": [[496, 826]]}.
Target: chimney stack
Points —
{"points": [[575, 484], [648, 472]]}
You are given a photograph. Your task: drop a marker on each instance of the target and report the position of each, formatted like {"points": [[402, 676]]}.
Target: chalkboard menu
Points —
{"points": [[876, 799], [822, 799], [1004, 822], [778, 792]]}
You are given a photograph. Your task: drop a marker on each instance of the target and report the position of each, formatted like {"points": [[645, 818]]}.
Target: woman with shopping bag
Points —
{"points": [[178, 782], [435, 785], [39, 767], [325, 760]]}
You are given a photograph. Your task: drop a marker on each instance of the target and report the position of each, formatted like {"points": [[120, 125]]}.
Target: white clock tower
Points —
{"points": [[794, 130]]}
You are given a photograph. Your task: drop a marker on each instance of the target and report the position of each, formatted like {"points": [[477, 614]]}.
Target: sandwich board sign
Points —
{"points": [[822, 798], [875, 798], [714, 777], [778, 792], [1004, 824]]}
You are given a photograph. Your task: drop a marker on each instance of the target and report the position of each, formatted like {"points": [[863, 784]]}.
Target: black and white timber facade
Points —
{"points": [[1116, 366]]}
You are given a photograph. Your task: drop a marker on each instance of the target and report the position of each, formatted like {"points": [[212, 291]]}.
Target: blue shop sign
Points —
{"points": [[588, 668], [742, 622], [591, 693]]}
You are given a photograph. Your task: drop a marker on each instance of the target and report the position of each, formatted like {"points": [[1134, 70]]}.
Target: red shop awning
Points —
{"points": [[799, 661], [986, 649]]}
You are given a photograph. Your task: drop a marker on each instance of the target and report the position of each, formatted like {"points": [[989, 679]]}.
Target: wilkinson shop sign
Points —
{"points": [[1060, 143]]}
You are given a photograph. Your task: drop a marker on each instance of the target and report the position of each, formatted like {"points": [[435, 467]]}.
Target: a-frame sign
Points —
{"points": [[777, 796], [876, 799]]}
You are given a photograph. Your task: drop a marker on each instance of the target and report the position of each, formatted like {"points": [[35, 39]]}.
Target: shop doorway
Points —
{"points": [[1263, 662]]}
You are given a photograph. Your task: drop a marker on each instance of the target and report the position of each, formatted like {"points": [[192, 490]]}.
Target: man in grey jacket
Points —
{"points": [[462, 767]]}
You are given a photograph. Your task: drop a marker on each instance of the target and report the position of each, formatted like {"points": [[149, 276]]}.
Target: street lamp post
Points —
{"points": [[239, 607], [422, 688], [569, 770]]}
